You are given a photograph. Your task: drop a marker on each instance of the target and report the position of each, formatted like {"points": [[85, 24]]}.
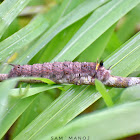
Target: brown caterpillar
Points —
{"points": [[79, 73]]}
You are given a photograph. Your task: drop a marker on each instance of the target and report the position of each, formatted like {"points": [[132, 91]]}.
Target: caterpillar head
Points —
{"points": [[15, 71], [102, 73]]}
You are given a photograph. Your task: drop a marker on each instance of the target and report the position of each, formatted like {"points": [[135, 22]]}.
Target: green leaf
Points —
{"points": [[12, 114], [126, 59], [13, 103], [24, 36], [11, 108], [113, 44], [45, 80], [69, 104], [61, 111], [128, 24], [130, 94], [9, 11], [60, 40], [79, 12], [42, 101], [95, 26], [96, 49], [76, 99], [4, 93], [32, 91], [101, 88], [114, 123]]}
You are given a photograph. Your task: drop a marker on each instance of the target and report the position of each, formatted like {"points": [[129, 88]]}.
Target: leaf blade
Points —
{"points": [[93, 28], [106, 123], [8, 12]]}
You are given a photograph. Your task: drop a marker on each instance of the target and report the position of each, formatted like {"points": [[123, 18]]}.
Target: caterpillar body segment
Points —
{"points": [[79, 73]]}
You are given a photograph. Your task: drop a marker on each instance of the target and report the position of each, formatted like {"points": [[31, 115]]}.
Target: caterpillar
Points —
{"points": [[79, 73]]}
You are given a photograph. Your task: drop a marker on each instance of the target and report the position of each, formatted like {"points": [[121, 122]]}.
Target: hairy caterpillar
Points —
{"points": [[79, 73]]}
